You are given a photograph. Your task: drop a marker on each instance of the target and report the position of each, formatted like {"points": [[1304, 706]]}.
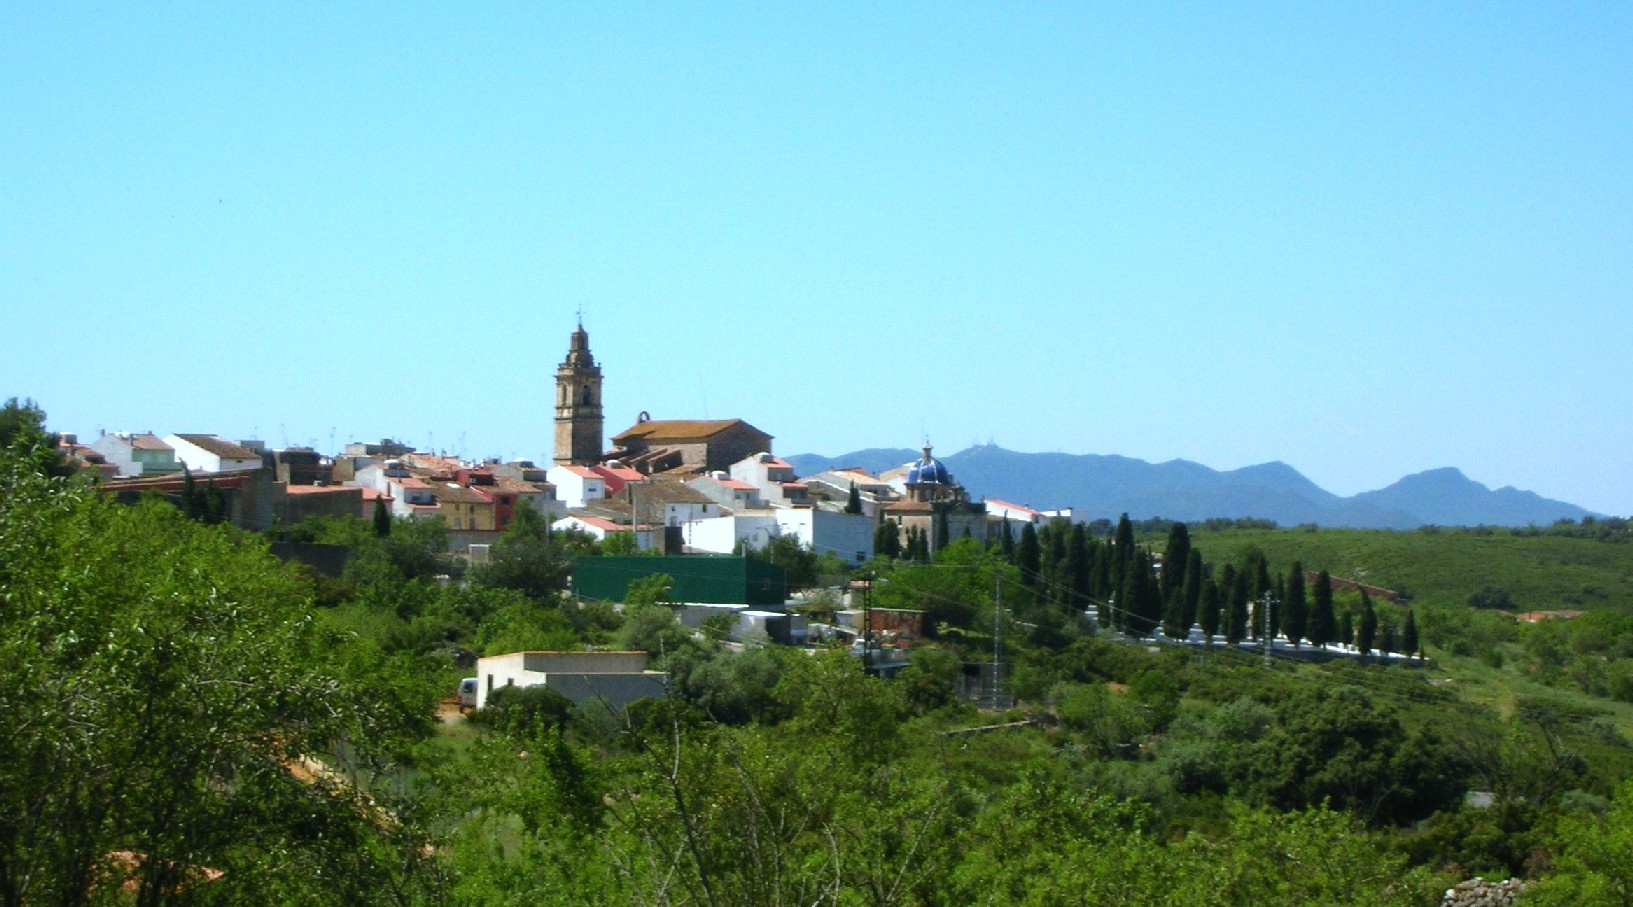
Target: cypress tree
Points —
{"points": [[1028, 555], [941, 531], [191, 504], [382, 518], [1100, 578], [1079, 561], [1176, 557], [853, 504], [1369, 625], [1346, 629], [1210, 611], [1141, 601], [1295, 609], [1323, 623], [1409, 635], [1122, 551], [1006, 542], [1236, 613], [1192, 593]]}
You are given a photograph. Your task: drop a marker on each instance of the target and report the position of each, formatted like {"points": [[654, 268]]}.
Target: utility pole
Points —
{"points": [[867, 625], [1264, 605], [997, 632]]}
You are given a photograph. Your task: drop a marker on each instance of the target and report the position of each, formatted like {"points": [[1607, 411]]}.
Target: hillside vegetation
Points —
{"points": [[196, 723], [1448, 566]]}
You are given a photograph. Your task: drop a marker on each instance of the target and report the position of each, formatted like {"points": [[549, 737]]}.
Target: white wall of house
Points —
{"points": [[646, 537], [574, 489], [613, 678], [848, 536], [763, 472], [720, 535], [200, 460], [117, 450]]}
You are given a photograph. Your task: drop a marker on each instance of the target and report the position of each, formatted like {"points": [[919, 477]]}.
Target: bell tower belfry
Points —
{"points": [[579, 424]]}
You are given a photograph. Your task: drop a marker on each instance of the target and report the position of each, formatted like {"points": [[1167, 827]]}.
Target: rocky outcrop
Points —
{"points": [[1478, 892]]}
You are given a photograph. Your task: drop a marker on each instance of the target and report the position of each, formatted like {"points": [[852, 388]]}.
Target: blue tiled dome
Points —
{"points": [[928, 471]]}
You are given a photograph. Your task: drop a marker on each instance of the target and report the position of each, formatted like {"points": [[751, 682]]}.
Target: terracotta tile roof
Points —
{"points": [[458, 494], [411, 482], [584, 472], [221, 447], [680, 430], [517, 486], [737, 485], [148, 442], [599, 523], [325, 489]]}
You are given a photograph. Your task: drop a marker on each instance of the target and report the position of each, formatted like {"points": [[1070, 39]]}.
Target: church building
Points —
{"points": [[936, 505]]}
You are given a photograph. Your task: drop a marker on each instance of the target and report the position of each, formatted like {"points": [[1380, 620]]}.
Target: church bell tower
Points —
{"points": [[578, 405]]}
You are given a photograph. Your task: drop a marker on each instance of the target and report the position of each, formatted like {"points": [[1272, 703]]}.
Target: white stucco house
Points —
{"points": [[213, 453], [576, 485], [609, 679]]}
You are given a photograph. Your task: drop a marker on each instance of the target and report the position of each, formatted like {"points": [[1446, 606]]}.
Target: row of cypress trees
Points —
{"points": [[1067, 565]]}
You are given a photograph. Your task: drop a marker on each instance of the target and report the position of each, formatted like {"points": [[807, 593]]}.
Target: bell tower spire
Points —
{"points": [[579, 424]]}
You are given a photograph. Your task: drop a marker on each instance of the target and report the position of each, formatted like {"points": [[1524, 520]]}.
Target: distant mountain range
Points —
{"points": [[1106, 486]]}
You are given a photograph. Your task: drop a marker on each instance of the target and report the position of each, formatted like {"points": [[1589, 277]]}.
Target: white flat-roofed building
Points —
{"points": [[612, 679]]}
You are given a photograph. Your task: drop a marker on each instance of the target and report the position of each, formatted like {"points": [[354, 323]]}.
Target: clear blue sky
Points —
{"points": [[1365, 239]]}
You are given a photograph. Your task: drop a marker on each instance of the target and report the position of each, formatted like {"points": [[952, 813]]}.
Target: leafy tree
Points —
{"points": [[1323, 624], [1595, 864], [529, 557], [1495, 597], [170, 697], [796, 560], [22, 431], [887, 540]]}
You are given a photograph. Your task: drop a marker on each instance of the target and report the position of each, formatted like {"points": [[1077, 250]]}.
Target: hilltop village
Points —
{"points": [[675, 486]]}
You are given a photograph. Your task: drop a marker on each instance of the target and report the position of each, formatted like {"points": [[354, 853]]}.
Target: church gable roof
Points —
{"points": [[677, 431]]}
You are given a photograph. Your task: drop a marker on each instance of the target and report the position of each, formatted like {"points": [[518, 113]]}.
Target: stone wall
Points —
{"points": [[1478, 892]]}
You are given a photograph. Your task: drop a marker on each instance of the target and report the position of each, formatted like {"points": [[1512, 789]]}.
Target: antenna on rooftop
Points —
{"points": [[284, 434]]}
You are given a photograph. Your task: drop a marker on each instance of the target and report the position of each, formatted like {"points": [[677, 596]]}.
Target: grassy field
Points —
{"points": [[1446, 566]]}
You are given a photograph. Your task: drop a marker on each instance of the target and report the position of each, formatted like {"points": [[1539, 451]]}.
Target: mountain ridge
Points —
{"points": [[1106, 485]]}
